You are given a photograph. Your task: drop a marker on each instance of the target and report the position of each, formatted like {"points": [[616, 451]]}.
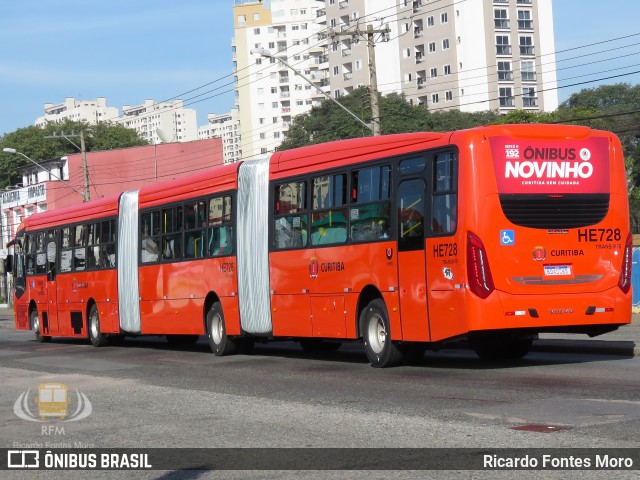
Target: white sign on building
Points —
{"points": [[25, 195]]}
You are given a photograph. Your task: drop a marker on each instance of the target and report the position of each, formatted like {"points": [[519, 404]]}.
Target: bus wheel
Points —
{"points": [[381, 351], [500, 346], [35, 326], [97, 338], [220, 343]]}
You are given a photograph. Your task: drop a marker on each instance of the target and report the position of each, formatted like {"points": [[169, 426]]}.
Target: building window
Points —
{"points": [[448, 95], [432, 47], [444, 18], [504, 72], [434, 72], [506, 96], [526, 45], [430, 22], [434, 98], [445, 44], [500, 18], [256, 16], [256, 31], [529, 98], [524, 20], [242, 19], [447, 69], [502, 45], [336, 70], [528, 71]]}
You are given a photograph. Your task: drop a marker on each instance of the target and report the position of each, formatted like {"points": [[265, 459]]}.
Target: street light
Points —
{"points": [[266, 53], [13, 151]]}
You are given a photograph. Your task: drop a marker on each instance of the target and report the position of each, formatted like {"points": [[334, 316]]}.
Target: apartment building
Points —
{"points": [[269, 93], [91, 111], [473, 55], [225, 126], [162, 122]]}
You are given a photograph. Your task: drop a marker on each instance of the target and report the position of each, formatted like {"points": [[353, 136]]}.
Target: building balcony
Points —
{"points": [[347, 76], [346, 52], [344, 4]]}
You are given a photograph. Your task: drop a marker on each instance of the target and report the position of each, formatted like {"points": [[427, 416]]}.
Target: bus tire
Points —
{"points": [[220, 343], [376, 335], [500, 346], [98, 339], [34, 319]]}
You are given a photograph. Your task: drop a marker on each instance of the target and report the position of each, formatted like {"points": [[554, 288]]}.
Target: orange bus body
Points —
{"points": [[496, 233]]}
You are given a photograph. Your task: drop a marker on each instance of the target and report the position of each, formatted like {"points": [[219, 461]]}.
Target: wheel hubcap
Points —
{"points": [[36, 324], [377, 334], [217, 329], [94, 326]]}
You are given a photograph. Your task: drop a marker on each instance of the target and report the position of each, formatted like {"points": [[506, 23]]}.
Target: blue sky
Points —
{"points": [[131, 50]]}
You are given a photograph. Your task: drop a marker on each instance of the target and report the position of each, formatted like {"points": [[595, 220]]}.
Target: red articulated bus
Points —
{"points": [[493, 234]]}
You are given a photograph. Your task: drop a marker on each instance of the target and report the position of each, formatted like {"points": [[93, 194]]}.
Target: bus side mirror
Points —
{"points": [[8, 265]]}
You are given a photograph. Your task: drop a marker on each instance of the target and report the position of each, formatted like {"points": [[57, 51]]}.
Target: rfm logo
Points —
{"points": [[53, 402]]}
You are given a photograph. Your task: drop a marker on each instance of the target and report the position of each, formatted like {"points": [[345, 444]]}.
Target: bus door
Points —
{"points": [[410, 204], [52, 320]]}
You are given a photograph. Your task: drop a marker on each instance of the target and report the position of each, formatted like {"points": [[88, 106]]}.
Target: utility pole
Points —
{"points": [[83, 151], [373, 78]]}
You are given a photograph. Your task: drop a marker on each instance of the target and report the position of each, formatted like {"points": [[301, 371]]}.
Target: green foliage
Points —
{"points": [[32, 142], [328, 121]]}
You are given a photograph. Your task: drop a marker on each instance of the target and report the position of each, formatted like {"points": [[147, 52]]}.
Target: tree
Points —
{"points": [[327, 121], [615, 108], [30, 141]]}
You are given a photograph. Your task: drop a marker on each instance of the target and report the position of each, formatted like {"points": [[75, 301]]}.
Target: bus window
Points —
{"points": [[412, 165], [290, 215], [66, 251], [41, 254], [93, 244], [370, 209], [172, 233], [52, 253], [80, 248], [220, 232], [149, 245], [30, 254], [195, 229], [445, 200], [411, 215], [329, 215]]}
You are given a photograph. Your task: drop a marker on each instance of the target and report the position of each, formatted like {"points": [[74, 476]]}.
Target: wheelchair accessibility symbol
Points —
{"points": [[507, 237]]}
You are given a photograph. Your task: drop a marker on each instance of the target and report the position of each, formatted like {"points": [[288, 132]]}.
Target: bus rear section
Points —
{"points": [[548, 243]]}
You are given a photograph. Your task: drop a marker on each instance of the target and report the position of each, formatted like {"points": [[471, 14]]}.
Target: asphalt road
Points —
{"points": [[148, 394]]}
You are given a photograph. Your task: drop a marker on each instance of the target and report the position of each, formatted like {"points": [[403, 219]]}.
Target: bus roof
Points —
{"points": [[218, 179], [343, 152], [100, 208]]}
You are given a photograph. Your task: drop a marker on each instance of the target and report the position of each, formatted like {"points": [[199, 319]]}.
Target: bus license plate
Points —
{"points": [[557, 270]]}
